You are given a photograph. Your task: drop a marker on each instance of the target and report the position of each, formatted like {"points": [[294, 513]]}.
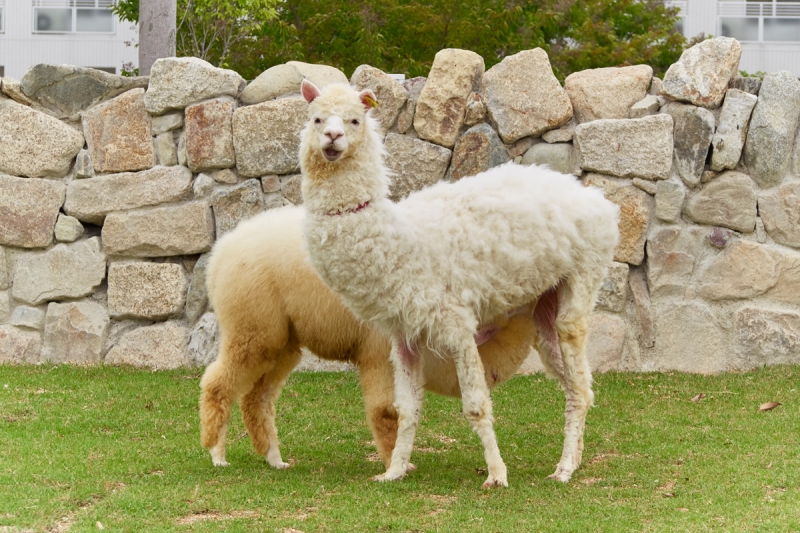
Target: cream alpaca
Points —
{"points": [[431, 270], [269, 302]]}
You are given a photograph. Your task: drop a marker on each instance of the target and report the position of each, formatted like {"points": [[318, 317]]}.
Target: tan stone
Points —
{"points": [[19, 345], [160, 231], [91, 200], [176, 82], [702, 73], [165, 149], [607, 92], [787, 288], [209, 135], [780, 210], [767, 337], [688, 339], [524, 97], [605, 342], [75, 332], [28, 211], [478, 150], [291, 189], [150, 291], [118, 134], [614, 290], [729, 201], [442, 103], [391, 95], [267, 137], [159, 347], [416, 164], [743, 270], [11, 87], [34, 144], [671, 256], [231, 206]]}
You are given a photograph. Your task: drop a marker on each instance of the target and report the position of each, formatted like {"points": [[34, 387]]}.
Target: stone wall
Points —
{"points": [[113, 190]]}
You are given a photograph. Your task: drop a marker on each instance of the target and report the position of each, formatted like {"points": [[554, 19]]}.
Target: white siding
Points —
{"points": [[21, 48]]}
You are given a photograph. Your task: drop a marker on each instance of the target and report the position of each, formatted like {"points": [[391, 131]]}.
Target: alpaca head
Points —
{"points": [[339, 123]]}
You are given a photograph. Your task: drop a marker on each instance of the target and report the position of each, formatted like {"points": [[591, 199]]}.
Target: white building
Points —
{"points": [[75, 32], [769, 31]]}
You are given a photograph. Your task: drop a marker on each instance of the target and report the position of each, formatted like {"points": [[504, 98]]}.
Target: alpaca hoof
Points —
{"points": [[388, 476], [219, 462], [561, 475], [411, 468], [495, 481], [280, 465]]}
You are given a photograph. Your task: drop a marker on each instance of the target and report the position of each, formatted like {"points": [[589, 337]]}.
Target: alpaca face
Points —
{"points": [[338, 119]]}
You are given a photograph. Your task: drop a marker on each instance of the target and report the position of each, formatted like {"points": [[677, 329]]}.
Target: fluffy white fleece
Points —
{"points": [[431, 269]]}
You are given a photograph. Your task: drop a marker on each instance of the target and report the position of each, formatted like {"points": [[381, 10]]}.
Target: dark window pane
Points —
{"points": [[53, 19], [743, 29]]}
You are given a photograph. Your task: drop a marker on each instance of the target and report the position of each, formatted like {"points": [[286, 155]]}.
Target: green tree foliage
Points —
{"points": [[403, 36]]}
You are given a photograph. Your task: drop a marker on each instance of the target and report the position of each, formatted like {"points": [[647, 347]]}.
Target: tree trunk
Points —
{"points": [[156, 32]]}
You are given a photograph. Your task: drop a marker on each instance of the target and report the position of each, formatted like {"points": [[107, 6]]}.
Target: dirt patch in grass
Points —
{"points": [[203, 516]]}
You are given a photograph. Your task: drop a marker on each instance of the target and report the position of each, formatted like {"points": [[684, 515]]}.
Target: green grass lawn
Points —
{"points": [[120, 447]]}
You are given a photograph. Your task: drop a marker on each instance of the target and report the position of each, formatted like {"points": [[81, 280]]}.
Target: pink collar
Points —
{"points": [[359, 208]]}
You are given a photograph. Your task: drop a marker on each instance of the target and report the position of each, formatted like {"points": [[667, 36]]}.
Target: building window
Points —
{"points": [[73, 16], [683, 12], [776, 21], [2, 71], [2, 18]]}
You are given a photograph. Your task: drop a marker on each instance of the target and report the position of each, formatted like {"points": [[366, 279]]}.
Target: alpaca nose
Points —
{"points": [[333, 134]]}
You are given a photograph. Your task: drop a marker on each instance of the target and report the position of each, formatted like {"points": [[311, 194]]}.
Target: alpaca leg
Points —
{"points": [[477, 407], [258, 408], [377, 389], [408, 391]]}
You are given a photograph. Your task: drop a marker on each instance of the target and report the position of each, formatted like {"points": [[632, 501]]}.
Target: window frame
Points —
{"points": [[74, 6]]}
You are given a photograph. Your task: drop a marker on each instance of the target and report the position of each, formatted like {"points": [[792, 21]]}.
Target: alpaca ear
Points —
{"points": [[309, 91], [368, 99]]}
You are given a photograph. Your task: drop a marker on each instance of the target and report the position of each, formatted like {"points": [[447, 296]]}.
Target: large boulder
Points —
{"points": [[731, 131], [66, 90], [151, 291], [442, 102], [694, 128], [284, 80], [628, 148], [767, 337], [158, 347], [92, 199], [524, 97], [768, 150], [75, 332], [11, 87], [19, 345], [415, 164], [391, 95], [702, 74], [688, 339], [209, 135], [743, 270], [779, 208], [266, 137], [118, 134], [28, 211], [35, 144], [176, 82], [729, 201], [607, 92], [64, 271], [477, 150]]}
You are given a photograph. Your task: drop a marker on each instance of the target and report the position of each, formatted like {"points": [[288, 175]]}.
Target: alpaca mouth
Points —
{"points": [[331, 153]]}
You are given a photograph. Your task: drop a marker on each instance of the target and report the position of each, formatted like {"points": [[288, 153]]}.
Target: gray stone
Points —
{"points": [[91, 200], [416, 164], [564, 134], [477, 150], [13, 89], [614, 290], [558, 156], [694, 129], [476, 109], [280, 80], [165, 149], [271, 184], [442, 103], [234, 205], [209, 135], [197, 297], [291, 188], [118, 134], [159, 347], [151, 291], [320, 75], [165, 123], [176, 82], [267, 137], [203, 186], [75, 332], [226, 176], [641, 302], [34, 144], [204, 341], [702, 74], [5, 279], [788, 286], [607, 92], [276, 199], [655, 86], [729, 201], [644, 108], [5, 306], [160, 231], [28, 317], [768, 150], [64, 271], [629, 148], [390, 94], [731, 131], [414, 87], [83, 165], [605, 342], [65, 90], [761, 231], [182, 157], [671, 256], [68, 229], [19, 345], [766, 336], [669, 200], [28, 211], [746, 84], [524, 97], [650, 187], [780, 210], [405, 120], [743, 270], [688, 339]]}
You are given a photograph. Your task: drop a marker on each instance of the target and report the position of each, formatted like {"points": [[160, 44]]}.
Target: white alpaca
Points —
{"points": [[433, 269]]}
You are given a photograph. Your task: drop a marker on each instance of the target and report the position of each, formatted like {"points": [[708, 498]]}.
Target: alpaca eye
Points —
{"points": [[317, 121], [354, 122]]}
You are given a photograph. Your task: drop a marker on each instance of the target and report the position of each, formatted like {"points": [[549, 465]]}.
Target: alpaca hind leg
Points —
{"points": [[408, 391], [477, 407], [258, 408], [377, 389]]}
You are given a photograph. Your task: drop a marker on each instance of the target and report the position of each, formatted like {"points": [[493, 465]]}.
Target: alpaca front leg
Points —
{"points": [[408, 390], [477, 407]]}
